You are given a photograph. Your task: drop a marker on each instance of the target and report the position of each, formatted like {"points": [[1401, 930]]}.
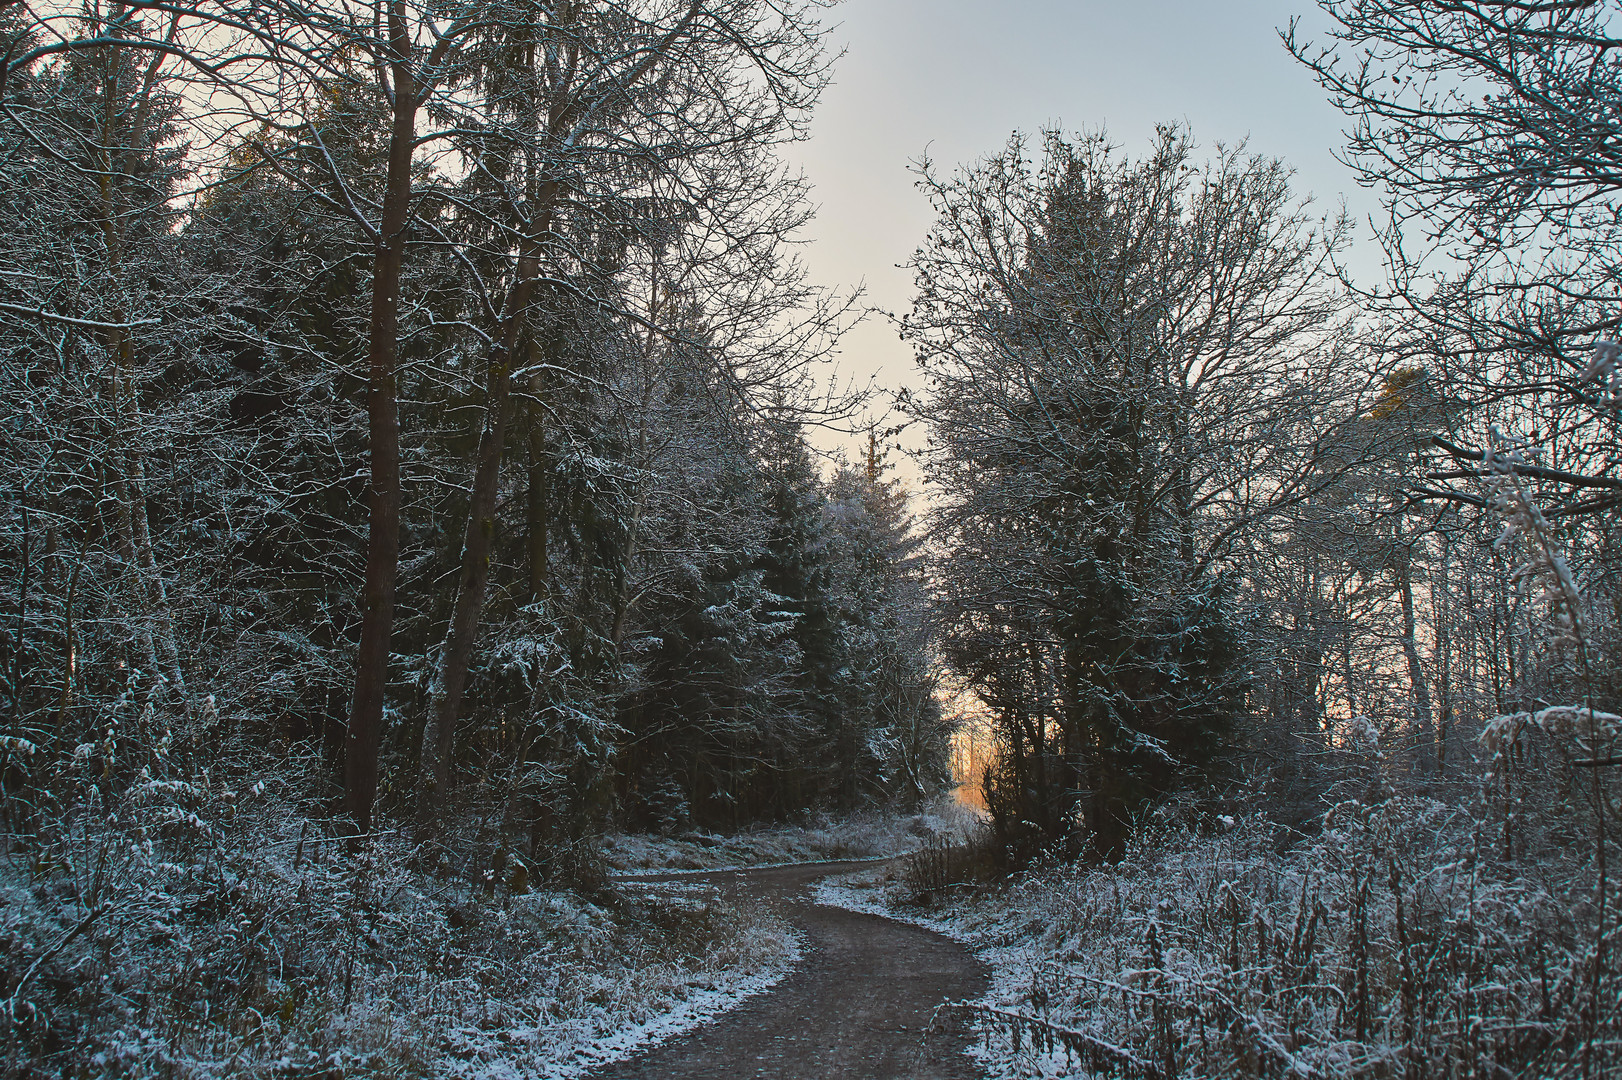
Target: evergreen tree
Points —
{"points": [[897, 739], [796, 565]]}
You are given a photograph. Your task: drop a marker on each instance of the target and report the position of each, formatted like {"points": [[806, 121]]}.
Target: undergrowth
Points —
{"points": [[1404, 937], [1398, 942], [209, 927], [861, 835]]}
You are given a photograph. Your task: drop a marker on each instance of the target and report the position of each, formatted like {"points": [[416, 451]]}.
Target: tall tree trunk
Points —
{"points": [[538, 494], [1347, 676], [25, 567], [1443, 608], [457, 650], [1080, 744], [1416, 670], [157, 594], [383, 489]]}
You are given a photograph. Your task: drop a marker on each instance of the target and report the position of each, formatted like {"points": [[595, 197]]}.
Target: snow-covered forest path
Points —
{"points": [[860, 1005]]}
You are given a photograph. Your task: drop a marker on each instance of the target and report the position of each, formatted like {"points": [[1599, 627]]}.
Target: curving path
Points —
{"points": [[861, 1004]]}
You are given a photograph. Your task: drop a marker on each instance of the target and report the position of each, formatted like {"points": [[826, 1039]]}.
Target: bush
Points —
{"points": [[206, 928], [1397, 943], [943, 861]]}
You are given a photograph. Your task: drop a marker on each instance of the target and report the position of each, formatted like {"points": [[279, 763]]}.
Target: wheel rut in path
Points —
{"points": [[860, 1005]]}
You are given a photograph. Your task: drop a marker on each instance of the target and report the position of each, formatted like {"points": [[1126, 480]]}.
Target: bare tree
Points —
{"points": [[1491, 128]]}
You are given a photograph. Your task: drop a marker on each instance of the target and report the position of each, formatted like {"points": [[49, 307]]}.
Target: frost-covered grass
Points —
{"points": [[865, 835], [1395, 943], [195, 929]]}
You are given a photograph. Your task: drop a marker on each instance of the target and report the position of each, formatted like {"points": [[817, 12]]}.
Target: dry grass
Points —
{"points": [[1395, 944]]}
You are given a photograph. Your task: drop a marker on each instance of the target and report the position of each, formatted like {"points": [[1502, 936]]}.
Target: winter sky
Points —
{"points": [[952, 78]]}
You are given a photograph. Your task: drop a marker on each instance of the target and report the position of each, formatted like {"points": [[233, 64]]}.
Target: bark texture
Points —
{"points": [[383, 487]]}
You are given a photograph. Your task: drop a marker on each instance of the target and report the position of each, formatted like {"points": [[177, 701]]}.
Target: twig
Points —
{"points": [[1096, 1053], [62, 943], [94, 324]]}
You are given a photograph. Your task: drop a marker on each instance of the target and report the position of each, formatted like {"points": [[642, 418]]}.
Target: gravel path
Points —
{"points": [[861, 1004]]}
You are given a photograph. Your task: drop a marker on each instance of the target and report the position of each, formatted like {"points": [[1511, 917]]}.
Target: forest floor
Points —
{"points": [[869, 835], [864, 1001]]}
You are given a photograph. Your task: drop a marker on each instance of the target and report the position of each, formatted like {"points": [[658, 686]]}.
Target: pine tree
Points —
{"points": [[796, 565], [897, 740]]}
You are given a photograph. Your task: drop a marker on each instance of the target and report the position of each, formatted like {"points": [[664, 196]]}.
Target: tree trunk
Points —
{"points": [[539, 495], [24, 569], [1348, 678], [155, 631], [1416, 671], [156, 594], [457, 649], [1444, 663], [1080, 744], [383, 488]]}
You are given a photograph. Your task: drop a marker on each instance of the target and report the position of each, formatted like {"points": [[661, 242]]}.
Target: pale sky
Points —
{"points": [[953, 78]]}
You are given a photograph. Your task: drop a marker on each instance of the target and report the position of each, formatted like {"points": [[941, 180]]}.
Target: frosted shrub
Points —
{"points": [[1575, 726], [860, 835], [1391, 945], [206, 927]]}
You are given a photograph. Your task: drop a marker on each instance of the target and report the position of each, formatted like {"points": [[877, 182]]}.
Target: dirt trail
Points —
{"points": [[860, 1005]]}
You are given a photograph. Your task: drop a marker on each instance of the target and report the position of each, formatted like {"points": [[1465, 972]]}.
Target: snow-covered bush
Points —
{"points": [[207, 927], [1396, 943]]}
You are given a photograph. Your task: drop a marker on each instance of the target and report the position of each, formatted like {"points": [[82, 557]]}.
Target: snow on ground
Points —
{"points": [[856, 836], [674, 1005], [701, 1007], [1223, 952], [245, 942]]}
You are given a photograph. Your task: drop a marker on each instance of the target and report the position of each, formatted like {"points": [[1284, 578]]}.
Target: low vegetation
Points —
{"points": [[1409, 936], [863, 835], [211, 928]]}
